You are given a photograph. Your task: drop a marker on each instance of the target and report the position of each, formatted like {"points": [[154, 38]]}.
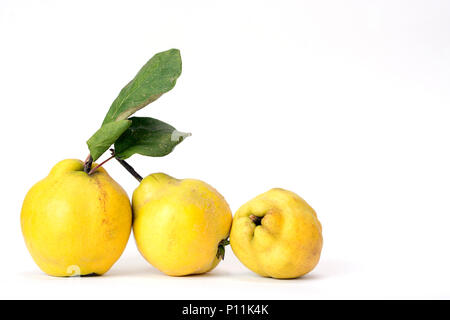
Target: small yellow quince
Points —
{"points": [[74, 223], [277, 234], [179, 224]]}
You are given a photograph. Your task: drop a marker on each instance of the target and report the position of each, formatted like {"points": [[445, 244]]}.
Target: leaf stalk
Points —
{"points": [[127, 166]]}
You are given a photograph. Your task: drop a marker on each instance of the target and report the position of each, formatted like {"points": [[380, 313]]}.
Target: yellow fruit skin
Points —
{"points": [[288, 242], [76, 224], [178, 224]]}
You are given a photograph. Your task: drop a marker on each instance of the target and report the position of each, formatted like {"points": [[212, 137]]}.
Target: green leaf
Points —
{"points": [[149, 137], [221, 249], [156, 77], [106, 136]]}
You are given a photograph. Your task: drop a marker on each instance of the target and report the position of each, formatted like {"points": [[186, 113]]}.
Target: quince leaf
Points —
{"points": [[148, 137], [106, 136], [221, 249], [156, 77]]}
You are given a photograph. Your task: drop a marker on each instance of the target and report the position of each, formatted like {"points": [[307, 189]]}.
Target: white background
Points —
{"points": [[344, 102]]}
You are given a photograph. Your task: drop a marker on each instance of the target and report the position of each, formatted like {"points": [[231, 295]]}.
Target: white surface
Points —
{"points": [[346, 103]]}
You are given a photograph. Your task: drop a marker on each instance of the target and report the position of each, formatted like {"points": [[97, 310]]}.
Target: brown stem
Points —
{"points": [[88, 164], [256, 220], [129, 168]]}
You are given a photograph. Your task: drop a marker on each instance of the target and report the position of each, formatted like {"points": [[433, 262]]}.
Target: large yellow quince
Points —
{"points": [[277, 234], [179, 224], [74, 223]]}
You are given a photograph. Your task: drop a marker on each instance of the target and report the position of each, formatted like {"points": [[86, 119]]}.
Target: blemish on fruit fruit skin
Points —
{"points": [[102, 196]]}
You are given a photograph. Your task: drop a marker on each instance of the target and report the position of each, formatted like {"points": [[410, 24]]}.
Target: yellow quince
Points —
{"points": [[74, 223], [180, 225], [277, 234]]}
